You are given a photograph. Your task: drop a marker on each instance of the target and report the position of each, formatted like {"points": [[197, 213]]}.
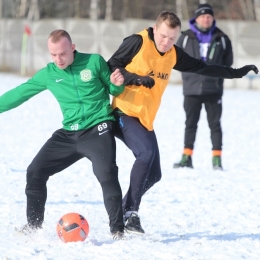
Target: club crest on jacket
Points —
{"points": [[85, 75]]}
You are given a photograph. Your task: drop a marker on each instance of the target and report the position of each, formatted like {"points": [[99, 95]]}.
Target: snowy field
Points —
{"points": [[197, 214]]}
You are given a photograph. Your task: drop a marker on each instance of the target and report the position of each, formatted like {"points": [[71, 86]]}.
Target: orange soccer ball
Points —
{"points": [[72, 227]]}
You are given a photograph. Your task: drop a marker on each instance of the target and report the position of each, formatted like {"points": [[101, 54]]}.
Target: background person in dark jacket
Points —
{"points": [[207, 42]]}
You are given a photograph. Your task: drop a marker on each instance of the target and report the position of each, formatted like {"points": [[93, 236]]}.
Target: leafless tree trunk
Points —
{"points": [[185, 9], [109, 15], [226, 7], [256, 5], [116, 9], [138, 8], [243, 8], [1, 8], [34, 12], [94, 9], [250, 10], [124, 13], [23, 8], [182, 9], [247, 7], [77, 8], [179, 9]]}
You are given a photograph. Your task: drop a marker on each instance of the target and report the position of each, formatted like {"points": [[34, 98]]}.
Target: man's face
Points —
{"points": [[165, 37], [61, 52], [205, 21]]}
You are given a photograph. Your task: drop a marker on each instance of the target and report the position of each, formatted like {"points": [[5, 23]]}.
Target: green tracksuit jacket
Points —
{"points": [[82, 90]]}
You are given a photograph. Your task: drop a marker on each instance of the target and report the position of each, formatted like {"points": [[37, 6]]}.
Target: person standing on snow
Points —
{"points": [[206, 41], [146, 59], [81, 83]]}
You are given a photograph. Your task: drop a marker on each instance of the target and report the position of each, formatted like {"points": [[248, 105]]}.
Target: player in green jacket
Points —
{"points": [[81, 83]]}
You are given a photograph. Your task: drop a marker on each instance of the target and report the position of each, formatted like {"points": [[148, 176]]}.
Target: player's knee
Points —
{"points": [[147, 155], [36, 172], [215, 126]]}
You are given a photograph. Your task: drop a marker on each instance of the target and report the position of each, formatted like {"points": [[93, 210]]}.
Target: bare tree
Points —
{"points": [[77, 8], [256, 4], [226, 7], [250, 10], [244, 8], [138, 6], [94, 9], [179, 9], [185, 9], [109, 15], [34, 13], [182, 9], [124, 13], [121, 9], [23, 8]]}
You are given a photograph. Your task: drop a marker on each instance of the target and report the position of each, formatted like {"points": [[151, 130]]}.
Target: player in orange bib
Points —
{"points": [[146, 59]]}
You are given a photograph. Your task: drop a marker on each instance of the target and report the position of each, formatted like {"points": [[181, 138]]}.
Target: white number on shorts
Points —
{"points": [[102, 127]]}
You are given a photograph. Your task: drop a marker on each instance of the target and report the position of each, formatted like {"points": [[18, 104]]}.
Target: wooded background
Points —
{"points": [[122, 9]]}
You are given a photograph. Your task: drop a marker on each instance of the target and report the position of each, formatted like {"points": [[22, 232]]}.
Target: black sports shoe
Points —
{"points": [[216, 162], [133, 225], [186, 161]]}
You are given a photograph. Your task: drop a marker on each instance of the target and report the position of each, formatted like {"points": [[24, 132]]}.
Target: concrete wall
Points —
{"points": [[105, 37]]}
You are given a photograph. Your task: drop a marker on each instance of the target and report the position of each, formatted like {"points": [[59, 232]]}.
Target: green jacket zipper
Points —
{"points": [[79, 100]]}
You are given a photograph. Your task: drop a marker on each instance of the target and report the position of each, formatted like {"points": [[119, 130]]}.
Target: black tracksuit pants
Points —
{"points": [[213, 107], [146, 170], [62, 150]]}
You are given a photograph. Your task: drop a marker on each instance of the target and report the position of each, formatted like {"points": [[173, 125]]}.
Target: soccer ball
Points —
{"points": [[72, 227]]}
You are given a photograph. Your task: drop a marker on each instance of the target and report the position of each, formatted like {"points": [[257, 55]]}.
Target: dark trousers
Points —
{"points": [[213, 107], [146, 170], [62, 150]]}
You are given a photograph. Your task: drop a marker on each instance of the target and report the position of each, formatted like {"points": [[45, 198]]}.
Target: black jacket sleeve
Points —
{"points": [[124, 55], [186, 63]]}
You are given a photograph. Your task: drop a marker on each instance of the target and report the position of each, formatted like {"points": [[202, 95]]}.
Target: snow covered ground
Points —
{"points": [[197, 214]]}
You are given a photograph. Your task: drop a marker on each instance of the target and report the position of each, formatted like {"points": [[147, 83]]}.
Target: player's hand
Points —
{"points": [[244, 70], [146, 81], [117, 78]]}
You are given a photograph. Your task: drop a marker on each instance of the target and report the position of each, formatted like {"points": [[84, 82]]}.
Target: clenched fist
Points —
{"points": [[146, 81], [117, 78]]}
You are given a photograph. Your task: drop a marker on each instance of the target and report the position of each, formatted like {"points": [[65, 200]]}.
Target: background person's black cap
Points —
{"points": [[204, 9]]}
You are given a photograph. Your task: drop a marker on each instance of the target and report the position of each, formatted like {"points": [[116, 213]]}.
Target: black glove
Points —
{"points": [[146, 81], [244, 70]]}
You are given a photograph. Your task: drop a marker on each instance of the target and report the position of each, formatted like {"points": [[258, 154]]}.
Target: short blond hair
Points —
{"points": [[171, 19], [56, 35]]}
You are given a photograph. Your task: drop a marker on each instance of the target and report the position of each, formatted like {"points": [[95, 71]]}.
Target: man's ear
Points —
{"points": [[73, 47]]}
